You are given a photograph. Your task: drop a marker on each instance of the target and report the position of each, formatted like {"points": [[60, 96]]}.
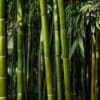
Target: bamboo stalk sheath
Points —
{"points": [[65, 50], [19, 51], [46, 44], [3, 68]]}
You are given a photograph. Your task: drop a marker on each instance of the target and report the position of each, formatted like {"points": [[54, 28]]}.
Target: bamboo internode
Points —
{"points": [[46, 45], [65, 50], [19, 51], [3, 72]]}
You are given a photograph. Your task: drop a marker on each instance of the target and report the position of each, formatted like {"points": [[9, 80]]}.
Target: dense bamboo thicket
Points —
{"points": [[49, 50]]}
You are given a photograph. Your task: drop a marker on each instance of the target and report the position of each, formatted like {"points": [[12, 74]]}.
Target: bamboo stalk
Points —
{"points": [[97, 64], [29, 45], [3, 68], [46, 44], [19, 51], [13, 66], [57, 50], [40, 69], [65, 50], [93, 69]]}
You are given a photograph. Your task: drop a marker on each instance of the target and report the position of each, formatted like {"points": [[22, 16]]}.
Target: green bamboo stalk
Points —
{"points": [[57, 50], [46, 44], [3, 68], [19, 51], [29, 43], [40, 69], [65, 50]]}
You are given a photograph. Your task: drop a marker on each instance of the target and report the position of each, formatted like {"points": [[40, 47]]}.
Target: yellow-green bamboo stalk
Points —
{"points": [[3, 67], [57, 50], [19, 51], [65, 50], [93, 68], [46, 44]]}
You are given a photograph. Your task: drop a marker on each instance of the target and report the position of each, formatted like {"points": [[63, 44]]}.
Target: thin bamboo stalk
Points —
{"points": [[40, 69], [97, 64], [29, 45], [3, 68], [19, 51], [93, 68], [57, 50], [65, 50], [13, 66], [88, 61], [46, 44]]}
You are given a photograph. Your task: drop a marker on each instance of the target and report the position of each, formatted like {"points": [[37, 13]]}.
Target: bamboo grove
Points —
{"points": [[49, 49]]}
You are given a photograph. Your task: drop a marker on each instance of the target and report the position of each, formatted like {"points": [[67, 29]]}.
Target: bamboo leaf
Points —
{"points": [[92, 28], [81, 45], [73, 48], [87, 21], [78, 19], [85, 8], [98, 23]]}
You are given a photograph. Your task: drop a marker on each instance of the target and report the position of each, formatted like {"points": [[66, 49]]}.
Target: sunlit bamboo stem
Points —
{"points": [[3, 67]]}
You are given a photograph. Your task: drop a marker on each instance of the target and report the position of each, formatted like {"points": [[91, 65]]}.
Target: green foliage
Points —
{"points": [[78, 18], [98, 22], [91, 12], [71, 15], [11, 9], [76, 27], [73, 48], [78, 42], [81, 45]]}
